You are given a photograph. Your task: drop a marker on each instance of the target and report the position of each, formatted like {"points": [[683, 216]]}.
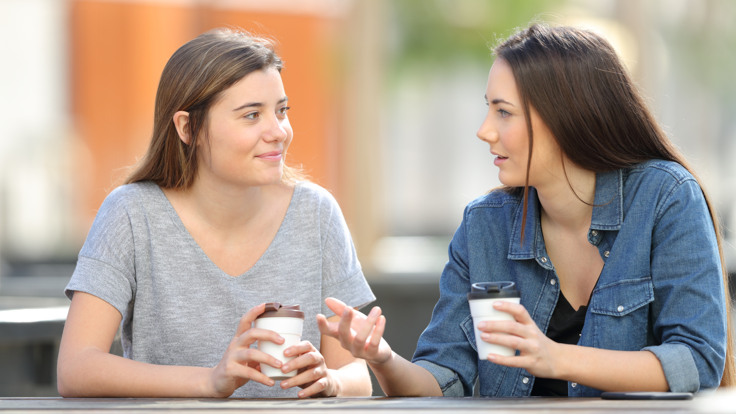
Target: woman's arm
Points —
{"points": [[362, 336], [351, 373], [87, 369], [602, 369]]}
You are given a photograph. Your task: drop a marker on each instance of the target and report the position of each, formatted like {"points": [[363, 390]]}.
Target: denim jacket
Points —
{"points": [[661, 288]]}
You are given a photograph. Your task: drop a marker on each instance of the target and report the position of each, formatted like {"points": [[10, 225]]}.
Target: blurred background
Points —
{"points": [[386, 97]]}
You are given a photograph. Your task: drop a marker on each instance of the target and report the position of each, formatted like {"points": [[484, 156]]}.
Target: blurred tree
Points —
{"points": [[439, 32]]}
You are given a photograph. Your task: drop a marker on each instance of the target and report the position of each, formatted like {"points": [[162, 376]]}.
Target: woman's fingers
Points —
{"points": [[246, 322], [377, 333], [335, 305], [312, 373], [246, 363], [317, 387], [345, 333], [516, 310], [362, 333], [326, 327]]}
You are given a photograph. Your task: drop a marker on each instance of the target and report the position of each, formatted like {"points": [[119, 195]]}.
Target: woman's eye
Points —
{"points": [[252, 115], [503, 113], [284, 110]]}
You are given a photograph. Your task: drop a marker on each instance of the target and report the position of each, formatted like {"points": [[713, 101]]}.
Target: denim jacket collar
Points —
{"points": [[607, 215]]}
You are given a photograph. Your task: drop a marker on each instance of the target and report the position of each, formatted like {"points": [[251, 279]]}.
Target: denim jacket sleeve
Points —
{"points": [[443, 348], [689, 306]]}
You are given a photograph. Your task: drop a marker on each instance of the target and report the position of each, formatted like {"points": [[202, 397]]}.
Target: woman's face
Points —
{"points": [[505, 130], [249, 132]]}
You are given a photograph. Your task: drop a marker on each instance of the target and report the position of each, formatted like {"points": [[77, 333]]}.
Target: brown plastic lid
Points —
{"points": [[277, 310]]}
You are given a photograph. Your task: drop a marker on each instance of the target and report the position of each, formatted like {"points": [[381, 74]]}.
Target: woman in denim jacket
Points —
{"points": [[602, 226]]}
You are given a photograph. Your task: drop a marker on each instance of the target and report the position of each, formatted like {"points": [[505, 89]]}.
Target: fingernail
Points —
{"points": [[284, 384]]}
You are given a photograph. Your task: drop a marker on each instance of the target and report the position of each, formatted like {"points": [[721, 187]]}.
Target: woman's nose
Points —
{"points": [[487, 131], [277, 129]]}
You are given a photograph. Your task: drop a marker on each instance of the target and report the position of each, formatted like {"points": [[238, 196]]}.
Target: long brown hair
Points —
{"points": [[575, 81], [192, 80]]}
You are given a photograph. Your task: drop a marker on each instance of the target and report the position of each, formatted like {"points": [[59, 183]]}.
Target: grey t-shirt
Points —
{"points": [[179, 308]]}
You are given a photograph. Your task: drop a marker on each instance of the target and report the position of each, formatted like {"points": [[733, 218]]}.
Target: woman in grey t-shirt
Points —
{"points": [[209, 227]]}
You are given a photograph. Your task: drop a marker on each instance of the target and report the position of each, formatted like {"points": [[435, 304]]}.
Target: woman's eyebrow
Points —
{"points": [[258, 104], [248, 105], [501, 101]]}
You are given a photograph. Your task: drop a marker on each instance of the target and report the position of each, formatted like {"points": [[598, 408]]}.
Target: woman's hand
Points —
{"points": [[312, 372], [537, 353], [240, 363], [360, 334]]}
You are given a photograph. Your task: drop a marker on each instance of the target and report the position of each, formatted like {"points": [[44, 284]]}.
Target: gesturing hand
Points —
{"points": [[360, 334]]}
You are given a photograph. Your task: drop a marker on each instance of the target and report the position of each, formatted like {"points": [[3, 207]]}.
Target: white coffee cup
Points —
{"points": [[287, 321], [481, 298]]}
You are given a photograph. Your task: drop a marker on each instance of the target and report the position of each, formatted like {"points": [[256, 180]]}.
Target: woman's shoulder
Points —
{"points": [[498, 197], [133, 196], [312, 193], [314, 205], [659, 170], [133, 190]]}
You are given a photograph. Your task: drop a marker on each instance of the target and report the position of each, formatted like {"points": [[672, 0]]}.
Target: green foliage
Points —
{"points": [[440, 32]]}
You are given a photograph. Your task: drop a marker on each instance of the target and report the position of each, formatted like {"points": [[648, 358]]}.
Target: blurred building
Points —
{"points": [[387, 96]]}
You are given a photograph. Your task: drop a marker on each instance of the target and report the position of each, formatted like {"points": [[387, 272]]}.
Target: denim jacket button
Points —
{"points": [[607, 253], [594, 233], [620, 308], [544, 259], [525, 380], [552, 282], [574, 384]]}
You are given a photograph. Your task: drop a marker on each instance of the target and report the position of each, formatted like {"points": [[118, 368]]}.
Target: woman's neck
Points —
{"points": [[569, 203], [225, 207]]}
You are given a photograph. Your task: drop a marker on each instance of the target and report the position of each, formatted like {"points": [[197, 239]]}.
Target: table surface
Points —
{"points": [[714, 403]]}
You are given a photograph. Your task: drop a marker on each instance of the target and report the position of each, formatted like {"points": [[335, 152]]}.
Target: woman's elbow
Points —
{"points": [[65, 380], [69, 381]]}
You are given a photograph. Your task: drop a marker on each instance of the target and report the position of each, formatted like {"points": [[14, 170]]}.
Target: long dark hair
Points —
{"points": [[192, 80], [577, 84]]}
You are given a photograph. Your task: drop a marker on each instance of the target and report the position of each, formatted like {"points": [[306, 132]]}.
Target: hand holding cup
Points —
{"points": [[481, 298], [287, 321]]}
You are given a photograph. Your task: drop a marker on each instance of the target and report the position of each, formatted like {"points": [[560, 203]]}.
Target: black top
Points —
{"points": [[564, 327]]}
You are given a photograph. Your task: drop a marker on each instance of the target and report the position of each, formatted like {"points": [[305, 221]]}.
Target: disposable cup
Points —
{"points": [[287, 321], [481, 298]]}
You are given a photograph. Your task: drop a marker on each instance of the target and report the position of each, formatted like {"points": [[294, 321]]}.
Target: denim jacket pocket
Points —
{"points": [[622, 297], [619, 316], [467, 326]]}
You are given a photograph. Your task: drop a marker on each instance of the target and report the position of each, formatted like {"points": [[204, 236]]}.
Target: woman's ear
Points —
{"points": [[181, 123]]}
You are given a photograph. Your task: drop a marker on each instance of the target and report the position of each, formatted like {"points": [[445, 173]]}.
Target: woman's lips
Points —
{"points": [[499, 160], [270, 156]]}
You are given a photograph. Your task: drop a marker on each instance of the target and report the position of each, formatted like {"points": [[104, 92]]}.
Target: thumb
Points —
{"points": [[246, 322], [325, 327]]}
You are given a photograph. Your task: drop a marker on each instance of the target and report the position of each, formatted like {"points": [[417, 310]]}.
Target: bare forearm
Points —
{"points": [[612, 370], [399, 377], [99, 374], [354, 380]]}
